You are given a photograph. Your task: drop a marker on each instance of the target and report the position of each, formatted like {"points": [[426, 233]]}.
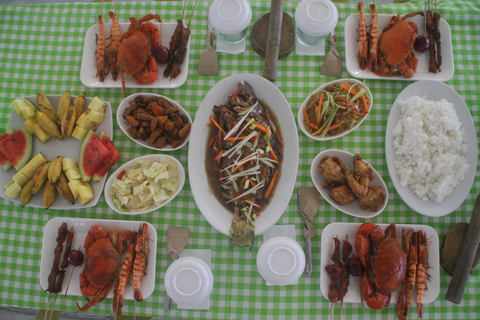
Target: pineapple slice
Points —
{"points": [[90, 119], [30, 123], [79, 132], [21, 178], [73, 185], [28, 170], [24, 108], [13, 190], [41, 134], [95, 116], [97, 104], [70, 167], [85, 193]]}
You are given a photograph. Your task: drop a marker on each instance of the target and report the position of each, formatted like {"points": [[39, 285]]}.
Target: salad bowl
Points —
{"points": [[113, 202]]}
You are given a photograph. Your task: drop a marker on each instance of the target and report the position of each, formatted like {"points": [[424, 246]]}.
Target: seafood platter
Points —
{"points": [[243, 160]]}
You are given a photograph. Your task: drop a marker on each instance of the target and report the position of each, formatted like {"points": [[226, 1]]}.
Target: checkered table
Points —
{"points": [[41, 50]]}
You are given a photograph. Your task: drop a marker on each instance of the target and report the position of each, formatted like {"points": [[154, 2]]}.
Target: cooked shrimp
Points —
{"points": [[112, 47], [123, 278], [422, 275], [363, 40], [373, 39], [140, 264], [100, 51]]}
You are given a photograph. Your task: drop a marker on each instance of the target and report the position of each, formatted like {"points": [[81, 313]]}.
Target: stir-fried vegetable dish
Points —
{"points": [[335, 109], [244, 155]]}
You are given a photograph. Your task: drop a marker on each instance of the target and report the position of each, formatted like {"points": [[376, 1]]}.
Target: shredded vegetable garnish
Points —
{"points": [[336, 109]]}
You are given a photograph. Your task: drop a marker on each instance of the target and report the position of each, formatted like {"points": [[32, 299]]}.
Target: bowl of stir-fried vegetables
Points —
{"points": [[335, 109]]}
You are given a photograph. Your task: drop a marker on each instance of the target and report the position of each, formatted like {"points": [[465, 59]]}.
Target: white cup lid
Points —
{"points": [[188, 280], [281, 261], [316, 17], [230, 16]]}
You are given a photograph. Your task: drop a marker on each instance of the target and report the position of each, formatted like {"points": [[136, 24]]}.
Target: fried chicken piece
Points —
{"points": [[374, 199], [342, 195], [358, 184], [333, 170], [362, 168]]}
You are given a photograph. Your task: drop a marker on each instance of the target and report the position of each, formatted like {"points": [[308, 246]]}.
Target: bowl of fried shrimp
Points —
{"points": [[335, 109]]}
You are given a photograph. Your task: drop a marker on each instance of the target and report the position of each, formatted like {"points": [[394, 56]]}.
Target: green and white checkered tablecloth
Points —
{"points": [[41, 49]]}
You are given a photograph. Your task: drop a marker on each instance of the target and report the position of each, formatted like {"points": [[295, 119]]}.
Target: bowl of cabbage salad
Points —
{"points": [[144, 184]]}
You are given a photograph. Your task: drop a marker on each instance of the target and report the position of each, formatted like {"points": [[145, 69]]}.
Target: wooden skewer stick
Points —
{"points": [[48, 303], [53, 307], [361, 295], [193, 11], [331, 311]]}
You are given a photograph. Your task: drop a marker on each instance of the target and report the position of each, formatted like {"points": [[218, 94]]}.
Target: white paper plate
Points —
{"points": [[124, 125], [53, 147], [353, 295], [351, 49], [216, 214], [108, 184], [434, 90], [81, 228], [353, 208], [88, 70]]}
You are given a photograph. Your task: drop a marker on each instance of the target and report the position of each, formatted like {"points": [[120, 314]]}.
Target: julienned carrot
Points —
{"points": [[314, 127], [307, 118], [279, 139], [238, 138], [272, 183], [274, 156], [320, 101], [353, 91], [313, 108], [217, 125], [218, 156], [252, 203], [365, 105], [334, 126], [261, 127]]}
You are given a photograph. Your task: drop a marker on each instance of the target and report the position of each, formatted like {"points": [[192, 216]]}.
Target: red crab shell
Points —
{"points": [[102, 262], [396, 43], [390, 266], [133, 53]]}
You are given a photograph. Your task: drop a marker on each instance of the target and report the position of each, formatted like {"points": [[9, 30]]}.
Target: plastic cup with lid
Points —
{"points": [[231, 19], [281, 261], [315, 19], [188, 280]]}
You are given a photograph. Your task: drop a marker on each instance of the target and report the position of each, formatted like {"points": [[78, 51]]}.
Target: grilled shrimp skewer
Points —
{"points": [[100, 50], [363, 40], [373, 39], [112, 48], [140, 263], [123, 278]]}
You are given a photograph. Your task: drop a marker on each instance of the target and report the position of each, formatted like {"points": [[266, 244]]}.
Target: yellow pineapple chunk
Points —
{"points": [[85, 193], [73, 185], [30, 123], [79, 133], [13, 190], [41, 134], [95, 116]]}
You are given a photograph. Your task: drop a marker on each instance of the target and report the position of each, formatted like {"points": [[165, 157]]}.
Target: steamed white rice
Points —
{"points": [[429, 144]]}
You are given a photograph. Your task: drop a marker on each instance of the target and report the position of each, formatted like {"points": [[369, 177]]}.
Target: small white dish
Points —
{"points": [[281, 261], [301, 114], [434, 90], [353, 208], [422, 73], [88, 70], [189, 281], [124, 125], [342, 230], [156, 157]]}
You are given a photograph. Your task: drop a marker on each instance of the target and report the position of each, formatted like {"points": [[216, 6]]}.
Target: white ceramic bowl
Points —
{"points": [[108, 184], [301, 115], [353, 208], [124, 125], [188, 280]]}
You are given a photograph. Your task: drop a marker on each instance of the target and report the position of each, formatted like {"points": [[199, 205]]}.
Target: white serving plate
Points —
{"points": [[81, 228], [88, 70], [351, 49], [353, 295], [156, 157], [53, 147], [353, 208], [216, 214], [124, 125], [301, 114], [433, 90]]}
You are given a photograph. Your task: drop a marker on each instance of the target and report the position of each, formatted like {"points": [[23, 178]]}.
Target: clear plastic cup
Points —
{"points": [[315, 19], [231, 19], [188, 280]]}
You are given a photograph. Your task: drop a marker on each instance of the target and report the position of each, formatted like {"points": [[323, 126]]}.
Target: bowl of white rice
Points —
{"points": [[431, 148]]}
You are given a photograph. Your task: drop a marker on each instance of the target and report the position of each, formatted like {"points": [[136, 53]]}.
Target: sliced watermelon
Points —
{"points": [[110, 161], [3, 160], [17, 147], [92, 154]]}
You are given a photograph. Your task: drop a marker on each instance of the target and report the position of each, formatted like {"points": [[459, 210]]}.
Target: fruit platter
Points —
{"points": [[118, 159]]}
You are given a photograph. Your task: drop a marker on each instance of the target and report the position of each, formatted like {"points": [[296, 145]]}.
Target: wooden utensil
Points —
{"points": [[208, 63], [465, 259], [273, 40]]}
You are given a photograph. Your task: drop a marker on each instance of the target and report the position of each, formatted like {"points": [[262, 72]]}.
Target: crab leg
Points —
{"points": [[363, 40]]}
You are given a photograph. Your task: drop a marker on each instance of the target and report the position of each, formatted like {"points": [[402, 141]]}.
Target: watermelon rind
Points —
{"points": [[108, 163], [11, 147], [3, 160], [92, 154]]}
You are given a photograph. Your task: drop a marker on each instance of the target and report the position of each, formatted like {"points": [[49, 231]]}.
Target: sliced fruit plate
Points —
{"points": [[46, 137]]}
